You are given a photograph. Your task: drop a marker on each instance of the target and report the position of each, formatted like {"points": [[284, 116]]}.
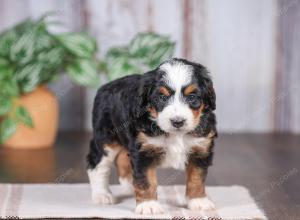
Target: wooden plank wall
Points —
{"points": [[251, 48], [287, 107], [237, 46]]}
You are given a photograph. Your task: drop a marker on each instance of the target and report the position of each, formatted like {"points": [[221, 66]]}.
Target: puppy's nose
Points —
{"points": [[177, 122]]}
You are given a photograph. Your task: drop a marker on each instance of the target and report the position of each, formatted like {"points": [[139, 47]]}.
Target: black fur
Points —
{"points": [[121, 111]]}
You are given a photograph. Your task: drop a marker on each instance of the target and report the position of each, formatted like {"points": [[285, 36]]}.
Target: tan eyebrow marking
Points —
{"points": [[153, 112], [164, 91], [189, 89]]}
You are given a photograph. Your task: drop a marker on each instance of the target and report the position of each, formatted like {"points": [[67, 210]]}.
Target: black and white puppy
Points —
{"points": [[163, 118]]}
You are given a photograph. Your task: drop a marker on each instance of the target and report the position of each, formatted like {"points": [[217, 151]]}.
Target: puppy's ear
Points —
{"points": [[206, 86], [209, 94], [145, 89]]}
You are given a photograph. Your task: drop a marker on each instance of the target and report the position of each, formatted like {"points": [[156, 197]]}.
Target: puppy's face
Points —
{"points": [[180, 96]]}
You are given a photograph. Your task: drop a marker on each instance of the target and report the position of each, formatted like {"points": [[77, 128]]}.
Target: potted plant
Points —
{"points": [[30, 58]]}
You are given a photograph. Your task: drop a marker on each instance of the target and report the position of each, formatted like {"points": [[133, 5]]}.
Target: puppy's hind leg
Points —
{"points": [[99, 176]]}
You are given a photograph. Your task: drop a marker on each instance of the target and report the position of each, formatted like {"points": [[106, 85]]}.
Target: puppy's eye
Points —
{"points": [[191, 98]]}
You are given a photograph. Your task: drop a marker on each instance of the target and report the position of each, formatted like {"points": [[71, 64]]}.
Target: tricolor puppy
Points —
{"points": [[163, 118]]}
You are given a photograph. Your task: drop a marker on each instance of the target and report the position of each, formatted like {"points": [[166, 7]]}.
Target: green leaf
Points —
{"points": [[7, 128], [51, 58], [27, 71], [119, 63], [23, 116], [163, 52], [5, 105], [11, 36], [79, 44], [146, 51], [116, 52], [22, 51], [151, 49], [24, 26], [9, 88], [83, 72], [6, 70], [51, 62], [50, 75], [44, 41], [120, 67], [29, 76], [7, 39], [3, 62], [30, 84], [102, 65], [145, 43]]}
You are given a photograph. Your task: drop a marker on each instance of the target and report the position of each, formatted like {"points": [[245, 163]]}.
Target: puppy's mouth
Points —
{"points": [[178, 130]]}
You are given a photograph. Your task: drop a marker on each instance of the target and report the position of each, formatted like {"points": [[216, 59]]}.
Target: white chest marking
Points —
{"points": [[177, 148]]}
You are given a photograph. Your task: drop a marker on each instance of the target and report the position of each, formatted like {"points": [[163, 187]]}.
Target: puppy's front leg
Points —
{"points": [[195, 188], [146, 194], [145, 183]]}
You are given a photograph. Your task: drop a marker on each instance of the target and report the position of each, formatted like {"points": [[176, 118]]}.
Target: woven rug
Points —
{"points": [[74, 201]]}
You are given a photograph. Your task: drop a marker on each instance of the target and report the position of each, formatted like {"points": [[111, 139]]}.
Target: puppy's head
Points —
{"points": [[177, 93]]}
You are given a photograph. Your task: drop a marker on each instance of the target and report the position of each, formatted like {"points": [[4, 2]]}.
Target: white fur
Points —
{"points": [[197, 204], [149, 207], [127, 185], [175, 109], [177, 76], [99, 178], [177, 147]]}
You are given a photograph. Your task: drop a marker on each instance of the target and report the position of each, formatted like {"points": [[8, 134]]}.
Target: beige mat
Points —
{"points": [[73, 201]]}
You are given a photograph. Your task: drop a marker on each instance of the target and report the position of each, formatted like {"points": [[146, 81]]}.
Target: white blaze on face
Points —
{"points": [[177, 76]]}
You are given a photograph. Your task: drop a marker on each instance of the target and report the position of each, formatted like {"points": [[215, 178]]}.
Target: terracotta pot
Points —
{"points": [[42, 106]]}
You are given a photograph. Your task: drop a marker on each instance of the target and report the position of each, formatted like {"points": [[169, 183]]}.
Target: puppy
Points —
{"points": [[163, 118]]}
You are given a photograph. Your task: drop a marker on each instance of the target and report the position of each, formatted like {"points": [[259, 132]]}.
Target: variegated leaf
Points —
{"points": [[79, 44], [23, 50], [7, 128], [84, 72]]}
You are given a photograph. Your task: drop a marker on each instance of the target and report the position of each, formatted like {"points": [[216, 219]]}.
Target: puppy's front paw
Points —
{"points": [[149, 208], [204, 204], [104, 198]]}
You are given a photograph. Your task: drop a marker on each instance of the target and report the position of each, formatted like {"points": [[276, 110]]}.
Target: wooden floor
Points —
{"points": [[268, 165]]}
